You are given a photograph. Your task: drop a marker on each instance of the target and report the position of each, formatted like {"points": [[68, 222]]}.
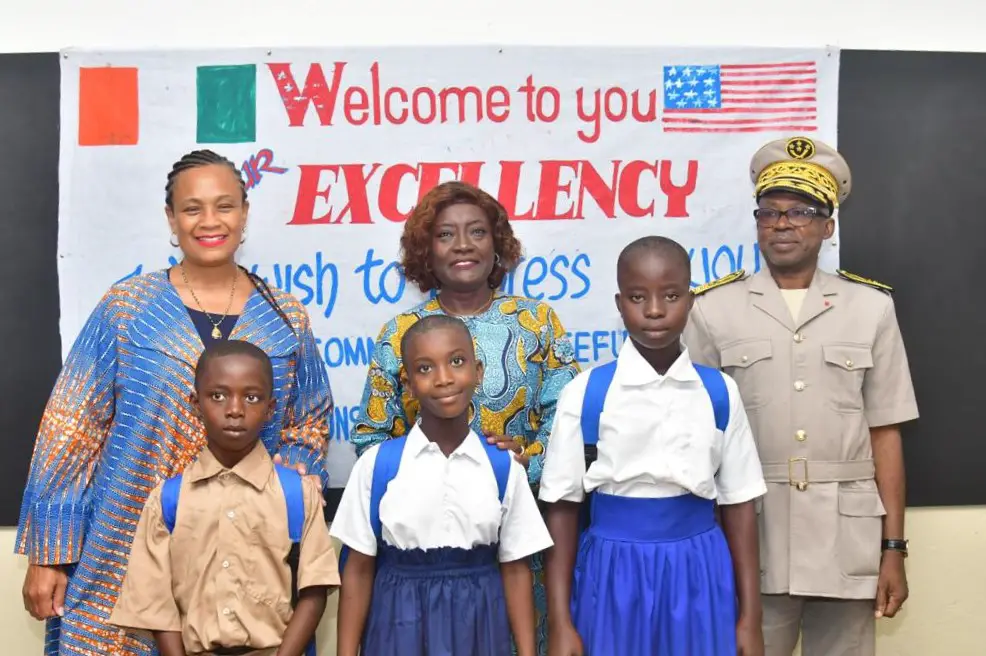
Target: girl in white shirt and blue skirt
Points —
{"points": [[649, 444], [438, 526]]}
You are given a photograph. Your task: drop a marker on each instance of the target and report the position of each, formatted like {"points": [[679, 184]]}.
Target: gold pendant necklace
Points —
{"points": [[216, 333]]}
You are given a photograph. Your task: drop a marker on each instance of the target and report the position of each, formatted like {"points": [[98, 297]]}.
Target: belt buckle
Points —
{"points": [[792, 466]]}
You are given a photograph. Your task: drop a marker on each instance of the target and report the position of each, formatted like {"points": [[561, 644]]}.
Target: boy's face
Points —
{"points": [[442, 371], [234, 401], [654, 298]]}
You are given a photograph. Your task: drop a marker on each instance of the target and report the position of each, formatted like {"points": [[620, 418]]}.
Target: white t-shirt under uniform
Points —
{"points": [[438, 501], [657, 438]]}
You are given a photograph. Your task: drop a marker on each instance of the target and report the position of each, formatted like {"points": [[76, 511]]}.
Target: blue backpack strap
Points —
{"points": [[170, 492], [600, 379], [500, 460], [384, 470], [294, 498], [715, 385]]}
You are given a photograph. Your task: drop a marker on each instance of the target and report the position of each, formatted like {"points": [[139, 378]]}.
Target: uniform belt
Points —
{"points": [[801, 472], [232, 651]]}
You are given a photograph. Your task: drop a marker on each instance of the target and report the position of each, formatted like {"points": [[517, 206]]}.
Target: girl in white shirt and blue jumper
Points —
{"points": [[439, 524], [665, 440]]}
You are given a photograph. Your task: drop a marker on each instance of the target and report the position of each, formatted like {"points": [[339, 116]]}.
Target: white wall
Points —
{"points": [[946, 568]]}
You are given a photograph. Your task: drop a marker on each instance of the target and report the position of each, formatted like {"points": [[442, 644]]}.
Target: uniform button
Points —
{"points": [[849, 364], [231, 514], [801, 436], [225, 564], [798, 337], [799, 386], [744, 359], [226, 611]]}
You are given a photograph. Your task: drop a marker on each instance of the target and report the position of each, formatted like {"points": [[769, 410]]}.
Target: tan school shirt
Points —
{"points": [[812, 388], [222, 578]]}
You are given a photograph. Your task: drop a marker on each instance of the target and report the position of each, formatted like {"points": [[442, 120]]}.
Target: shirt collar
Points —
{"points": [[255, 468], [471, 447], [633, 369]]}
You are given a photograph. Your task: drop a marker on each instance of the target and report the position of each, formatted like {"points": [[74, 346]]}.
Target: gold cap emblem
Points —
{"points": [[800, 148]]}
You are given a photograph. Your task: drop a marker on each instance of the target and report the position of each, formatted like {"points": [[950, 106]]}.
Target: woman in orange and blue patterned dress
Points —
{"points": [[459, 243], [120, 419]]}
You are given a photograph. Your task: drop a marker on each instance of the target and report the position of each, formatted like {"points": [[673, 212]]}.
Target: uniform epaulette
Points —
{"points": [[725, 280], [875, 284]]}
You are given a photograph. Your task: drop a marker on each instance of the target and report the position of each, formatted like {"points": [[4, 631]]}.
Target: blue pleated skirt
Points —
{"points": [[654, 577], [439, 602]]}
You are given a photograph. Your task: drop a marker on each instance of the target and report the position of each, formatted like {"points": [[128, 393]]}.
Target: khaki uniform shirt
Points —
{"points": [[221, 578], [812, 388]]}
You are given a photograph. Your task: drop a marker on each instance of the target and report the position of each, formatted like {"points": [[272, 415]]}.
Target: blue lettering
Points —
{"points": [[536, 273], [346, 351], [318, 284], [343, 419], [534, 279], [586, 283], [714, 263], [380, 282], [602, 344]]}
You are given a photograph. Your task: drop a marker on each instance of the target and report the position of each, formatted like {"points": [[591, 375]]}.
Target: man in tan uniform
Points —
{"points": [[823, 374]]}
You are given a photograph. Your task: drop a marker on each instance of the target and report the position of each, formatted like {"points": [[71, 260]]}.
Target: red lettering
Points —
{"points": [[630, 189], [430, 175], [677, 196], [498, 98], [352, 104], [308, 193], [604, 194], [509, 188], [316, 92], [460, 96], [551, 186], [390, 188], [402, 116], [559, 189], [429, 96]]}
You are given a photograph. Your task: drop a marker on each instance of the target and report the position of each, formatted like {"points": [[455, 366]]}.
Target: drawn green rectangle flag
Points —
{"points": [[227, 104]]}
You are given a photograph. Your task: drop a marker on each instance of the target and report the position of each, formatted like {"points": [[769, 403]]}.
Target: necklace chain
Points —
{"points": [[216, 333], [484, 308]]}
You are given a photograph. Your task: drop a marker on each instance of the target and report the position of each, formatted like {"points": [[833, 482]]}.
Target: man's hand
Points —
{"points": [[301, 469], [44, 591], [749, 638], [891, 587]]}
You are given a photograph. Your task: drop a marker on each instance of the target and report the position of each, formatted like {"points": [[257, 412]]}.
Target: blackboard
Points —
{"points": [[910, 125]]}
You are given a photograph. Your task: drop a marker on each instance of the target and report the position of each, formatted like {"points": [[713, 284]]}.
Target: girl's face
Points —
{"points": [[208, 214]]}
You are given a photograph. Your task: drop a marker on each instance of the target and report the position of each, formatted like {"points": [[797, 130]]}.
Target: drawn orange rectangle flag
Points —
{"points": [[108, 106]]}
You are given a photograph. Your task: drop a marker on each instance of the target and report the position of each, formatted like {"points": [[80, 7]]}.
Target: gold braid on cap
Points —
{"points": [[805, 177]]}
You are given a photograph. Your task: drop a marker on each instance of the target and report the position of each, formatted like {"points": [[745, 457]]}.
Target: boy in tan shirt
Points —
{"points": [[218, 573]]}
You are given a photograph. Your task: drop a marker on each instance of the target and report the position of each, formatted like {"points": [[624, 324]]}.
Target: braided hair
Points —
{"points": [[198, 158]]}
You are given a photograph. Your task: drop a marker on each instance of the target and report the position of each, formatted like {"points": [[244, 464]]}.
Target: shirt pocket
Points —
{"points": [[861, 514], [748, 362], [844, 371]]}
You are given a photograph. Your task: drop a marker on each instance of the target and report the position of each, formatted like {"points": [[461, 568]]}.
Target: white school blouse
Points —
{"points": [[438, 501], [657, 438]]}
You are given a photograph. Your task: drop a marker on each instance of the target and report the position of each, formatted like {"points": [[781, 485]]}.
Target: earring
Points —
{"points": [[243, 238], [173, 240], [496, 259]]}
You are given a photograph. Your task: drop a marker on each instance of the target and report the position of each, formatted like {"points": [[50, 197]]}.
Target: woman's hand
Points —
{"points": [[505, 443]]}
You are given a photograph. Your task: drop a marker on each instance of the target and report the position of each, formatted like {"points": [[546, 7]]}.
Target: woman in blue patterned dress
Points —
{"points": [[119, 419], [459, 243]]}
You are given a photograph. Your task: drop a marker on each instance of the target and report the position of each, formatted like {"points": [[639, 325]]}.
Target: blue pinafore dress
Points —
{"points": [[653, 577], [435, 602]]}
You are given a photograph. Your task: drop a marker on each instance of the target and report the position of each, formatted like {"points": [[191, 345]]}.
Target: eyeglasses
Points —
{"points": [[798, 217]]}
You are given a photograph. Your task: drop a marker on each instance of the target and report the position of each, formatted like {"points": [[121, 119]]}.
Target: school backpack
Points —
{"points": [[601, 377], [294, 499], [389, 461]]}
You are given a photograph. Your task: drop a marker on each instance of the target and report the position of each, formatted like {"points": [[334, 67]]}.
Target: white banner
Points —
{"points": [[587, 148]]}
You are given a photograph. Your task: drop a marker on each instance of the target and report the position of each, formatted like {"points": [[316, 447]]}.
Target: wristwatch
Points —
{"points": [[894, 545]]}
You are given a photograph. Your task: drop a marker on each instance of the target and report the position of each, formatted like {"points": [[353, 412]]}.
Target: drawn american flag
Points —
{"points": [[741, 98]]}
